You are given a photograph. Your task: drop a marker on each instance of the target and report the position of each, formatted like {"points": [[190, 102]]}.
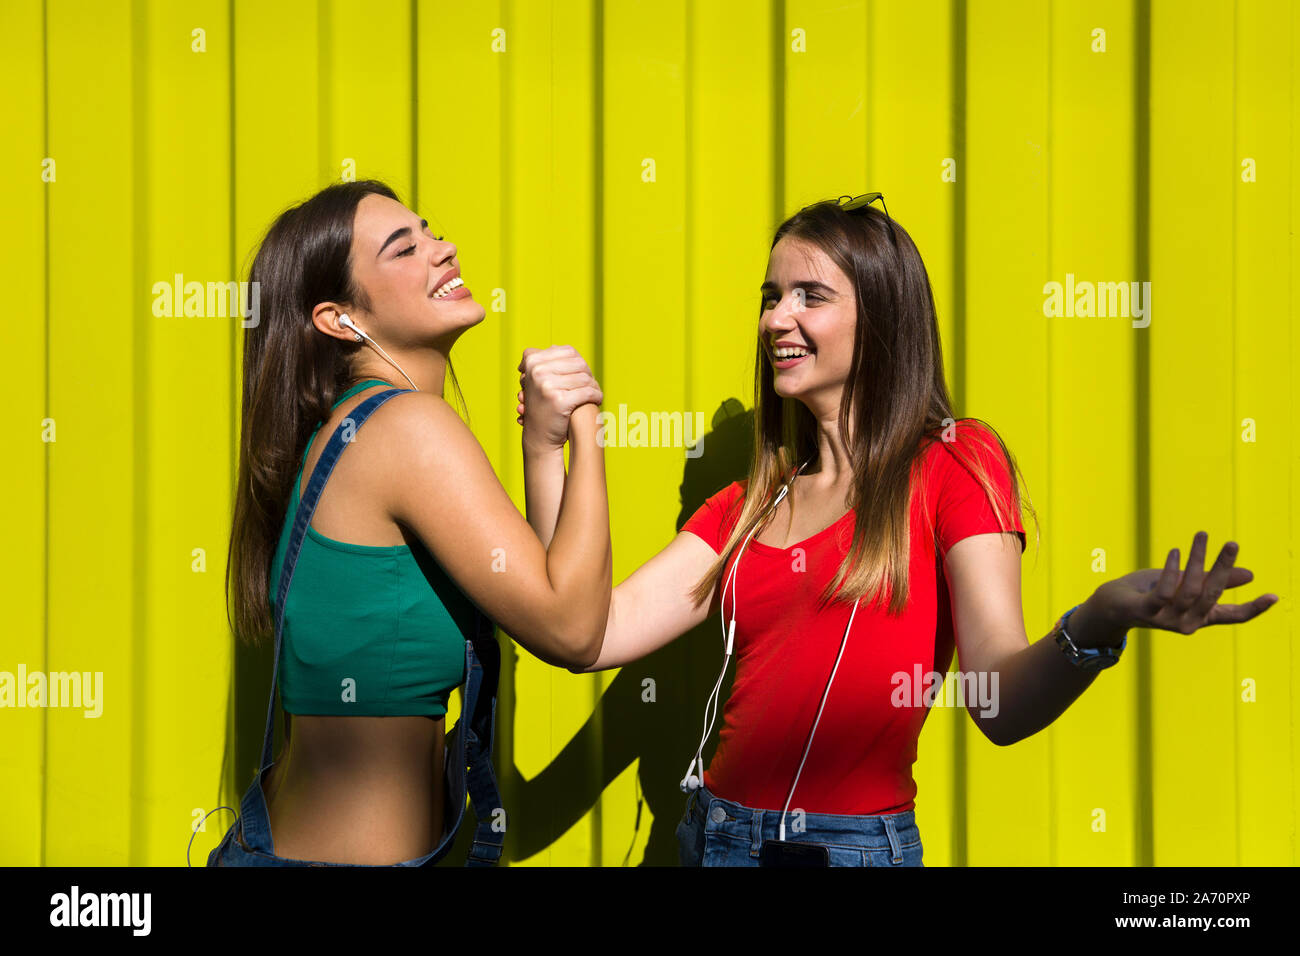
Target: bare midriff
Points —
{"points": [[362, 790]]}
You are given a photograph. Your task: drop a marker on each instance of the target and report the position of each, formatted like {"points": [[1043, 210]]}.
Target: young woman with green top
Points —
{"points": [[409, 540]]}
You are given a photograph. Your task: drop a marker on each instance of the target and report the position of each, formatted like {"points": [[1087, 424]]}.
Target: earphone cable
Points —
{"points": [[728, 636], [826, 693]]}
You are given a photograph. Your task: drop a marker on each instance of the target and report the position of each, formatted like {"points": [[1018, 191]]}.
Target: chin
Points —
{"points": [[786, 390], [469, 316]]}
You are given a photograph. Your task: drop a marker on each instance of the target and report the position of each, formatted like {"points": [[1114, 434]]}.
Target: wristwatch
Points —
{"points": [[1086, 658]]}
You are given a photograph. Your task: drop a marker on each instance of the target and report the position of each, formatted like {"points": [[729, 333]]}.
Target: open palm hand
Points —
{"points": [[1170, 600]]}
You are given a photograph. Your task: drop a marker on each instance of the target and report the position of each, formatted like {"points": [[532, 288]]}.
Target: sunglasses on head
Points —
{"points": [[852, 204]]}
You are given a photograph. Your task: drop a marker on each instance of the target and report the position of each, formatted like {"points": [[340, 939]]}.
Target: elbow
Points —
{"points": [[584, 657], [579, 653], [580, 659], [584, 636], [997, 734], [583, 663], [1004, 739]]}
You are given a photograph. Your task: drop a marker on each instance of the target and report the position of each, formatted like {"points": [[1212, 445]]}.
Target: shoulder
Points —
{"points": [[730, 498], [725, 499], [961, 444], [416, 428], [417, 411], [709, 517]]}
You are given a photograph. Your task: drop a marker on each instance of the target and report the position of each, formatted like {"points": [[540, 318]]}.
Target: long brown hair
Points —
{"points": [[292, 376], [895, 398]]}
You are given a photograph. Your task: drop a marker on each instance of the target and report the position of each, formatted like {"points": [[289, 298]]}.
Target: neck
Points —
{"points": [[834, 463], [427, 367]]}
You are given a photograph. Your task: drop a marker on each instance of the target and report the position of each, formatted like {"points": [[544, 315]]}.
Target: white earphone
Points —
{"points": [[693, 782], [347, 323]]}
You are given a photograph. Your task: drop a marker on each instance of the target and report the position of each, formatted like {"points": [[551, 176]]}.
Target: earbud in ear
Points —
{"points": [[347, 323]]}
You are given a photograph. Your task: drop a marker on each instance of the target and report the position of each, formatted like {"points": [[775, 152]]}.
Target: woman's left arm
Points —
{"points": [[555, 380], [1035, 683]]}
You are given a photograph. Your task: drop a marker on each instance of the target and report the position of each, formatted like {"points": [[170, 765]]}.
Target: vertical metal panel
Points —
{"points": [[1264, 343], [1008, 811], [1192, 431], [180, 469], [1087, 460], [96, 346], [23, 479]]}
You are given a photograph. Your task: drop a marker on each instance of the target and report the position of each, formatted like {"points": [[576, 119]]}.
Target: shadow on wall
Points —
{"points": [[623, 728], [663, 734]]}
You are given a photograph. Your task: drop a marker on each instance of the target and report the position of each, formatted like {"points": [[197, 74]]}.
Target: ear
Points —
{"points": [[328, 317]]}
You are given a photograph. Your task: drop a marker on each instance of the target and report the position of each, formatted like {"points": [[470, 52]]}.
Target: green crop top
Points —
{"points": [[368, 630]]}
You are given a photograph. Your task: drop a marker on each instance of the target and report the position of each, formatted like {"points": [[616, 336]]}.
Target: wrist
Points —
{"points": [[1092, 625], [540, 449], [584, 422]]}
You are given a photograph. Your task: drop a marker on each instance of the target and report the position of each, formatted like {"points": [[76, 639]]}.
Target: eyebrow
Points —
{"points": [[808, 285], [397, 234]]}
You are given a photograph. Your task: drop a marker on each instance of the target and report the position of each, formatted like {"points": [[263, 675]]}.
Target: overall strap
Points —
{"points": [[467, 762], [481, 780], [359, 387], [320, 474]]}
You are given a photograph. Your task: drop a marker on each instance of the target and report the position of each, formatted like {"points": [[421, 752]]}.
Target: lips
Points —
{"points": [[447, 277], [788, 361]]}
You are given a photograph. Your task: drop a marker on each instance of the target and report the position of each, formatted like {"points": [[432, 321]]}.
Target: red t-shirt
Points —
{"points": [[785, 647]]}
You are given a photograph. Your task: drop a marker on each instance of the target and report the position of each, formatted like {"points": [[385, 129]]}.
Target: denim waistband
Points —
{"points": [[720, 832], [703, 803]]}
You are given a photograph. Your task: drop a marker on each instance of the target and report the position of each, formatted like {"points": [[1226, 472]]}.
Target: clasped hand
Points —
{"points": [[552, 383]]}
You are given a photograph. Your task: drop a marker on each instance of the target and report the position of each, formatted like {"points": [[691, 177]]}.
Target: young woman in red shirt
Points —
{"points": [[875, 533]]}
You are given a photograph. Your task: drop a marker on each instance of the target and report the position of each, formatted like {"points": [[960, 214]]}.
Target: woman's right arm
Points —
{"points": [[653, 606], [555, 602]]}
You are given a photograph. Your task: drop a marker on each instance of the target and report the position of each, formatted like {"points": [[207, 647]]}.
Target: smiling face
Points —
{"points": [[400, 265], [807, 325]]}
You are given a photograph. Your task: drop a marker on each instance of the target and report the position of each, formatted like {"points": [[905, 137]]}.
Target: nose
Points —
{"points": [[441, 250], [779, 318]]}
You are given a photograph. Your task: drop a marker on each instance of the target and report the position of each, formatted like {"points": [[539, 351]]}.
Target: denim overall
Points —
{"points": [[468, 756]]}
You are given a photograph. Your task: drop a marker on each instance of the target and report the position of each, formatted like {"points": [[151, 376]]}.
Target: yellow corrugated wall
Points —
{"points": [[617, 169]]}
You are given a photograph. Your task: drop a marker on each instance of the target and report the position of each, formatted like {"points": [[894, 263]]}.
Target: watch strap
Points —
{"points": [[1087, 658]]}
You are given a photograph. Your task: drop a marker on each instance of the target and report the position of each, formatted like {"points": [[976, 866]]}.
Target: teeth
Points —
{"points": [[446, 287], [784, 353]]}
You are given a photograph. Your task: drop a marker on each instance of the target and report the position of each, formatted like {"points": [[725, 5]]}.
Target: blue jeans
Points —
{"points": [[718, 832]]}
